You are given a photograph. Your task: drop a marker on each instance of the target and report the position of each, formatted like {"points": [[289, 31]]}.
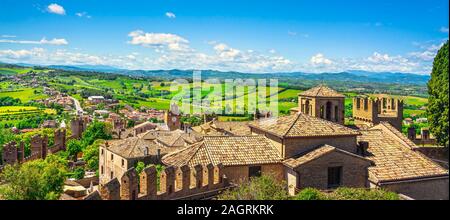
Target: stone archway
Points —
{"points": [[328, 110], [307, 107]]}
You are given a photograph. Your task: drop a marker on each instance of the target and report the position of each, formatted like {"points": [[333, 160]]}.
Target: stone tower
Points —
{"points": [[173, 117], [322, 102], [368, 111]]}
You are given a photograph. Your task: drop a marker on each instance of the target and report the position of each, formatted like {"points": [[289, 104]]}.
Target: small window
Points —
{"points": [[101, 170], [112, 156], [123, 162], [112, 174], [334, 176], [102, 151], [254, 171]]}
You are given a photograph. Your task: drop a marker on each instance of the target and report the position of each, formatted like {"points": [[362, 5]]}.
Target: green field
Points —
{"points": [[15, 71], [289, 94], [12, 110], [25, 94]]}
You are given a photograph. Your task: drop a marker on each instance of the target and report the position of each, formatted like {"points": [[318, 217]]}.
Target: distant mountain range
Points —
{"points": [[350, 75]]}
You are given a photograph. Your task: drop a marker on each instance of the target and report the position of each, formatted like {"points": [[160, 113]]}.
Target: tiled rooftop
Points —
{"points": [[314, 154], [321, 91], [394, 156], [218, 128], [134, 147], [302, 125], [228, 150]]}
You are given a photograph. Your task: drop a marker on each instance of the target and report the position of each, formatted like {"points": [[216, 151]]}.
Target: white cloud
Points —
{"points": [[82, 14], [320, 59], [292, 33], [170, 51], [272, 51], [54, 41], [20, 54], [158, 40], [56, 9], [8, 36], [170, 15], [444, 30], [378, 58], [428, 51]]}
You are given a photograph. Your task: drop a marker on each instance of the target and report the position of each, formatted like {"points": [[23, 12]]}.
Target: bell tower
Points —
{"points": [[172, 117], [322, 102]]}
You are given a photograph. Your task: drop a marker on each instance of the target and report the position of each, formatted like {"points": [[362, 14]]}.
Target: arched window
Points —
{"points": [[328, 113], [336, 113], [307, 107]]}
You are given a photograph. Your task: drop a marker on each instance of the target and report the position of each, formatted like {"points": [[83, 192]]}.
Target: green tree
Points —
{"points": [[265, 187], [78, 173], [139, 167], [74, 147], [96, 130], [344, 193], [34, 180], [90, 155], [437, 109]]}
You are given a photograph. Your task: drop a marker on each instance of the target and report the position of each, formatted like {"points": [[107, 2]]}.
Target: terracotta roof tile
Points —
{"points": [[321, 91], [134, 147], [215, 128], [395, 158], [315, 154], [302, 125], [228, 150]]}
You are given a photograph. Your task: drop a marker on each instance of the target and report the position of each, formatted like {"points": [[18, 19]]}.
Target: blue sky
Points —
{"points": [[249, 36]]}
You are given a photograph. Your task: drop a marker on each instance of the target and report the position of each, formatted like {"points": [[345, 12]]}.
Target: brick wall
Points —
{"points": [[239, 174], [432, 189], [315, 173], [295, 146]]}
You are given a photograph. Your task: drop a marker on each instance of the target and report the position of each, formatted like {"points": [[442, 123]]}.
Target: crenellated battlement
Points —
{"points": [[14, 153], [370, 111], [174, 182]]}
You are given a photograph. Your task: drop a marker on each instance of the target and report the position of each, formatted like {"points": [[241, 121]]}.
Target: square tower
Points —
{"points": [[322, 102]]}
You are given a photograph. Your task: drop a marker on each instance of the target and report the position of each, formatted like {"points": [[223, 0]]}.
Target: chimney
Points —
{"points": [[362, 148]]}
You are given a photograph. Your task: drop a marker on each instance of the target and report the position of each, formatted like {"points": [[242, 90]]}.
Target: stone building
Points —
{"points": [[299, 133], [322, 102], [174, 183], [369, 111], [143, 127], [326, 167], [309, 148], [400, 167], [78, 125], [241, 156], [117, 156], [173, 117]]}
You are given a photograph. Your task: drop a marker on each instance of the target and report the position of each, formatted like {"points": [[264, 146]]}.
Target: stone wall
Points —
{"points": [[368, 111], [424, 189], [173, 183], [317, 107], [295, 146], [240, 174], [77, 126], [13, 153], [315, 173], [289, 147]]}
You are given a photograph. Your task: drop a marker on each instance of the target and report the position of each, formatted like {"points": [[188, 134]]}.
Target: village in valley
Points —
{"points": [[117, 151]]}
